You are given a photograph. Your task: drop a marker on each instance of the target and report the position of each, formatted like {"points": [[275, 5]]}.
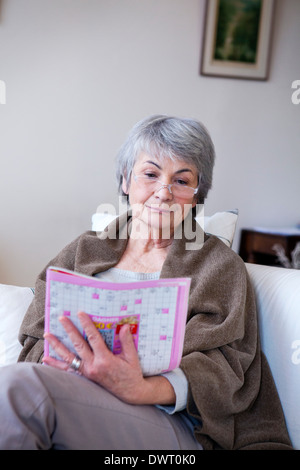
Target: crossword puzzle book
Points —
{"points": [[156, 311]]}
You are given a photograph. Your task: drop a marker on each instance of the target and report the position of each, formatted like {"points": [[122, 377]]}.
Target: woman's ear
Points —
{"points": [[124, 185]]}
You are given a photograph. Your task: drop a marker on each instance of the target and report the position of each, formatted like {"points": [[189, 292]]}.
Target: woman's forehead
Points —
{"points": [[164, 161]]}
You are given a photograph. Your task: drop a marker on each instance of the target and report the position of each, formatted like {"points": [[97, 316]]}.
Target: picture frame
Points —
{"points": [[237, 37]]}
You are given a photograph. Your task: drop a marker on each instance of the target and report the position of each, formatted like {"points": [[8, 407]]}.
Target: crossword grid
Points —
{"points": [[157, 307]]}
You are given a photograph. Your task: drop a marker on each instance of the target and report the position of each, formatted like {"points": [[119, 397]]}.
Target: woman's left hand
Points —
{"points": [[120, 374]]}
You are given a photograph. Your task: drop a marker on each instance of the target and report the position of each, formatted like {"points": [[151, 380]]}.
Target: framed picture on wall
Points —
{"points": [[237, 36]]}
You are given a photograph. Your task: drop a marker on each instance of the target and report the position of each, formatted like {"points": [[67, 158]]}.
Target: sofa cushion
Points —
{"points": [[14, 302], [278, 299]]}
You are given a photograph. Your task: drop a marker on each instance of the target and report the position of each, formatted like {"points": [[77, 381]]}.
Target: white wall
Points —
{"points": [[80, 73]]}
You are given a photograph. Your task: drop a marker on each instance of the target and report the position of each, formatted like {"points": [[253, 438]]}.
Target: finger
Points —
{"points": [[64, 353], [50, 361], [129, 352], [81, 346], [94, 338]]}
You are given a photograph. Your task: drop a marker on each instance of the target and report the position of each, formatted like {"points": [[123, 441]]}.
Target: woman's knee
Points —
{"points": [[25, 408]]}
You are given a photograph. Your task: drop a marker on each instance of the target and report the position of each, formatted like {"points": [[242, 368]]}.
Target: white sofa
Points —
{"points": [[278, 302]]}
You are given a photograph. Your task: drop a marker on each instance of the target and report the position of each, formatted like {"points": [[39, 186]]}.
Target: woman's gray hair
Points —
{"points": [[166, 136]]}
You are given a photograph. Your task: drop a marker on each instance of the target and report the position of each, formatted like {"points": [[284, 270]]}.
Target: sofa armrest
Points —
{"points": [[277, 293]]}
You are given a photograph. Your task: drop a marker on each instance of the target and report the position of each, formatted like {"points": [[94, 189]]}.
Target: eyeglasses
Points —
{"points": [[179, 188]]}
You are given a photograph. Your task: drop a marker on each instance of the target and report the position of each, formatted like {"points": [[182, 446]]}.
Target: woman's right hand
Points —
{"points": [[120, 374]]}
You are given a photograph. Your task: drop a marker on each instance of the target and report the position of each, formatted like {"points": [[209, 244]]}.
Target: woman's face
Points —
{"points": [[152, 201]]}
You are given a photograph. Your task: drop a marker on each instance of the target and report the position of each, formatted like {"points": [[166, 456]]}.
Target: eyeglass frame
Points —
{"points": [[136, 177]]}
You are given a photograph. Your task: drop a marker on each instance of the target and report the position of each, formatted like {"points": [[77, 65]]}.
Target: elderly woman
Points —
{"points": [[222, 396]]}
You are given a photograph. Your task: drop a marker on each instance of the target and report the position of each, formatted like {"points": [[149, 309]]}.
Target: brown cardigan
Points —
{"points": [[231, 390]]}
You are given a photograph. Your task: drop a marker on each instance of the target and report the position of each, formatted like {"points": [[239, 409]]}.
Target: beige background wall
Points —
{"points": [[80, 73]]}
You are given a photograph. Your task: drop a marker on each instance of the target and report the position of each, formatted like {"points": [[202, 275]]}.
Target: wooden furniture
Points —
{"points": [[256, 245]]}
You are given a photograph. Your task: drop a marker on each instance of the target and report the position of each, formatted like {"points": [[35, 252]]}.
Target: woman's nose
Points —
{"points": [[164, 191]]}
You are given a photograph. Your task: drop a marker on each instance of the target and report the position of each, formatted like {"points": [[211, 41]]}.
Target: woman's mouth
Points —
{"points": [[158, 209]]}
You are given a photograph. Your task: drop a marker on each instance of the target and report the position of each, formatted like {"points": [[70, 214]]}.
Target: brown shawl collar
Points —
{"points": [[231, 390]]}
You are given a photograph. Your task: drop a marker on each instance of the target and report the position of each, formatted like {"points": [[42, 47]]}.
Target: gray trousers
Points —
{"points": [[44, 408]]}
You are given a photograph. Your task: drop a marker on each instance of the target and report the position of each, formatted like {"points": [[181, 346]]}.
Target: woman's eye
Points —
{"points": [[150, 175], [181, 182]]}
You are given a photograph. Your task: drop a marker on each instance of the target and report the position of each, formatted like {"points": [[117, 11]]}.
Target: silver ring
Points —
{"points": [[75, 364]]}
